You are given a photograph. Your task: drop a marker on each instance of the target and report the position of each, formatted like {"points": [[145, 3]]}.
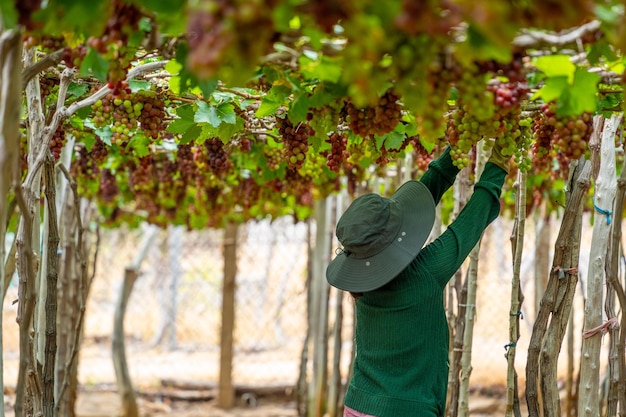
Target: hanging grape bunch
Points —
{"points": [[114, 43], [233, 32], [337, 154], [473, 118], [562, 137], [508, 97], [295, 140], [57, 142], [151, 115], [375, 120], [218, 158], [108, 186]]}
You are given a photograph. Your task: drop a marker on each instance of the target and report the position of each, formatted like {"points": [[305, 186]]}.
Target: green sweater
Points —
{"points": [[401, 365]]}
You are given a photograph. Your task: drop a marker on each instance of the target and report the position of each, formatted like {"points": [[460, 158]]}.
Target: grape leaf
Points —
{"points": [[272, 100], [556, 66], [191, 134], [94, 64], [214, 115], [140, 143], [76, 89], [324, 69], [299, 108], [552, 89], [185, 120], [8, 15], [226, 113], [583, 91], [394, 140]]}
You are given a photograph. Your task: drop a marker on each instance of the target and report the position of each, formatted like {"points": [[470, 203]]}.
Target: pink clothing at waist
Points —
{"points": [[349, 412]]}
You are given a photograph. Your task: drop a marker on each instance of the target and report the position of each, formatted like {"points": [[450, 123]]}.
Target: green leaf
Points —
{"points": [[139, 85], [191, 134], [324, 69], [76, 89], [394, 140], [185, 120], [299, 108], [8, 15], [552, 89], [273, 100], [140, 143], [556, 66], [94, 64], [226, 113], [227, 130], [584, 91], [207, 114]]}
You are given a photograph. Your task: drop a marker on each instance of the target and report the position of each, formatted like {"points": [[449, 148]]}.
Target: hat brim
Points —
{"points": [[366, 274]]}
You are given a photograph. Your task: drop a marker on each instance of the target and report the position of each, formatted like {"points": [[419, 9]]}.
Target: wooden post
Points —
{"points": [[226, 394]]}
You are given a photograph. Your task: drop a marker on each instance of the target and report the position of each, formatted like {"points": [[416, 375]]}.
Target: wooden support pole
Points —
{"points": [[226, 392]]}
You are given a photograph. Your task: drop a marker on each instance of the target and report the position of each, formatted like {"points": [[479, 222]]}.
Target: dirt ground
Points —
{"points": [[104, 402]]}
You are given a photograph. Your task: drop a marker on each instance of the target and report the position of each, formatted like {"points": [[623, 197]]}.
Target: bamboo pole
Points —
{"points": [[470, 307], [517, 298]]}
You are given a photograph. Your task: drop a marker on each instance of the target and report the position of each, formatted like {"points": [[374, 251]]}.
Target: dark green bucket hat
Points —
{"points": [[380, 237]]}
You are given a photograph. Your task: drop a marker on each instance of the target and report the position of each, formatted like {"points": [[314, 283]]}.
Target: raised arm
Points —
{"points": [[441, 258], [440, 175]]}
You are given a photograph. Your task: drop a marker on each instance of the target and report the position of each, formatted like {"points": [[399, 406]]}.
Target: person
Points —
{"points": [[401, 335]]}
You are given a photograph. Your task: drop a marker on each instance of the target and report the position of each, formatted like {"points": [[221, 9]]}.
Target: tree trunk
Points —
{"points": [[50, 345], [618, 333], [10, 106], [580, 172], [588, 404], [124, 384]]}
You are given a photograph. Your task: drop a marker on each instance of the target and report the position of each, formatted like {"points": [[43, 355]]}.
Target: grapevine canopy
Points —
{"points": [[197, 112]]}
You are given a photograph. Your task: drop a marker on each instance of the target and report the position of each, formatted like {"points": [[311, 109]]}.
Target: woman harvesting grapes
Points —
{"points": [[401, 364]]}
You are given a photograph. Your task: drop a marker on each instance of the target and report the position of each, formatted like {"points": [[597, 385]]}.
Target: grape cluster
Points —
{"points": [[507, 130], [57, 142], [338, 154], [421, 156], [218, 158], [375, 120], [73, 57], [120, 109], [47, 86], [186, 163], [236, 32], [431, 17], [273, 157], [152, 113], [328, 13], [108, 189], [114, 41], [562, 137], [295, 140], [513, 71], [141, 177]]}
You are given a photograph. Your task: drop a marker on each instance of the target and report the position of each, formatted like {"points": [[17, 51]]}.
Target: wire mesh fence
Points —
{"points": [[173, 320]]}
